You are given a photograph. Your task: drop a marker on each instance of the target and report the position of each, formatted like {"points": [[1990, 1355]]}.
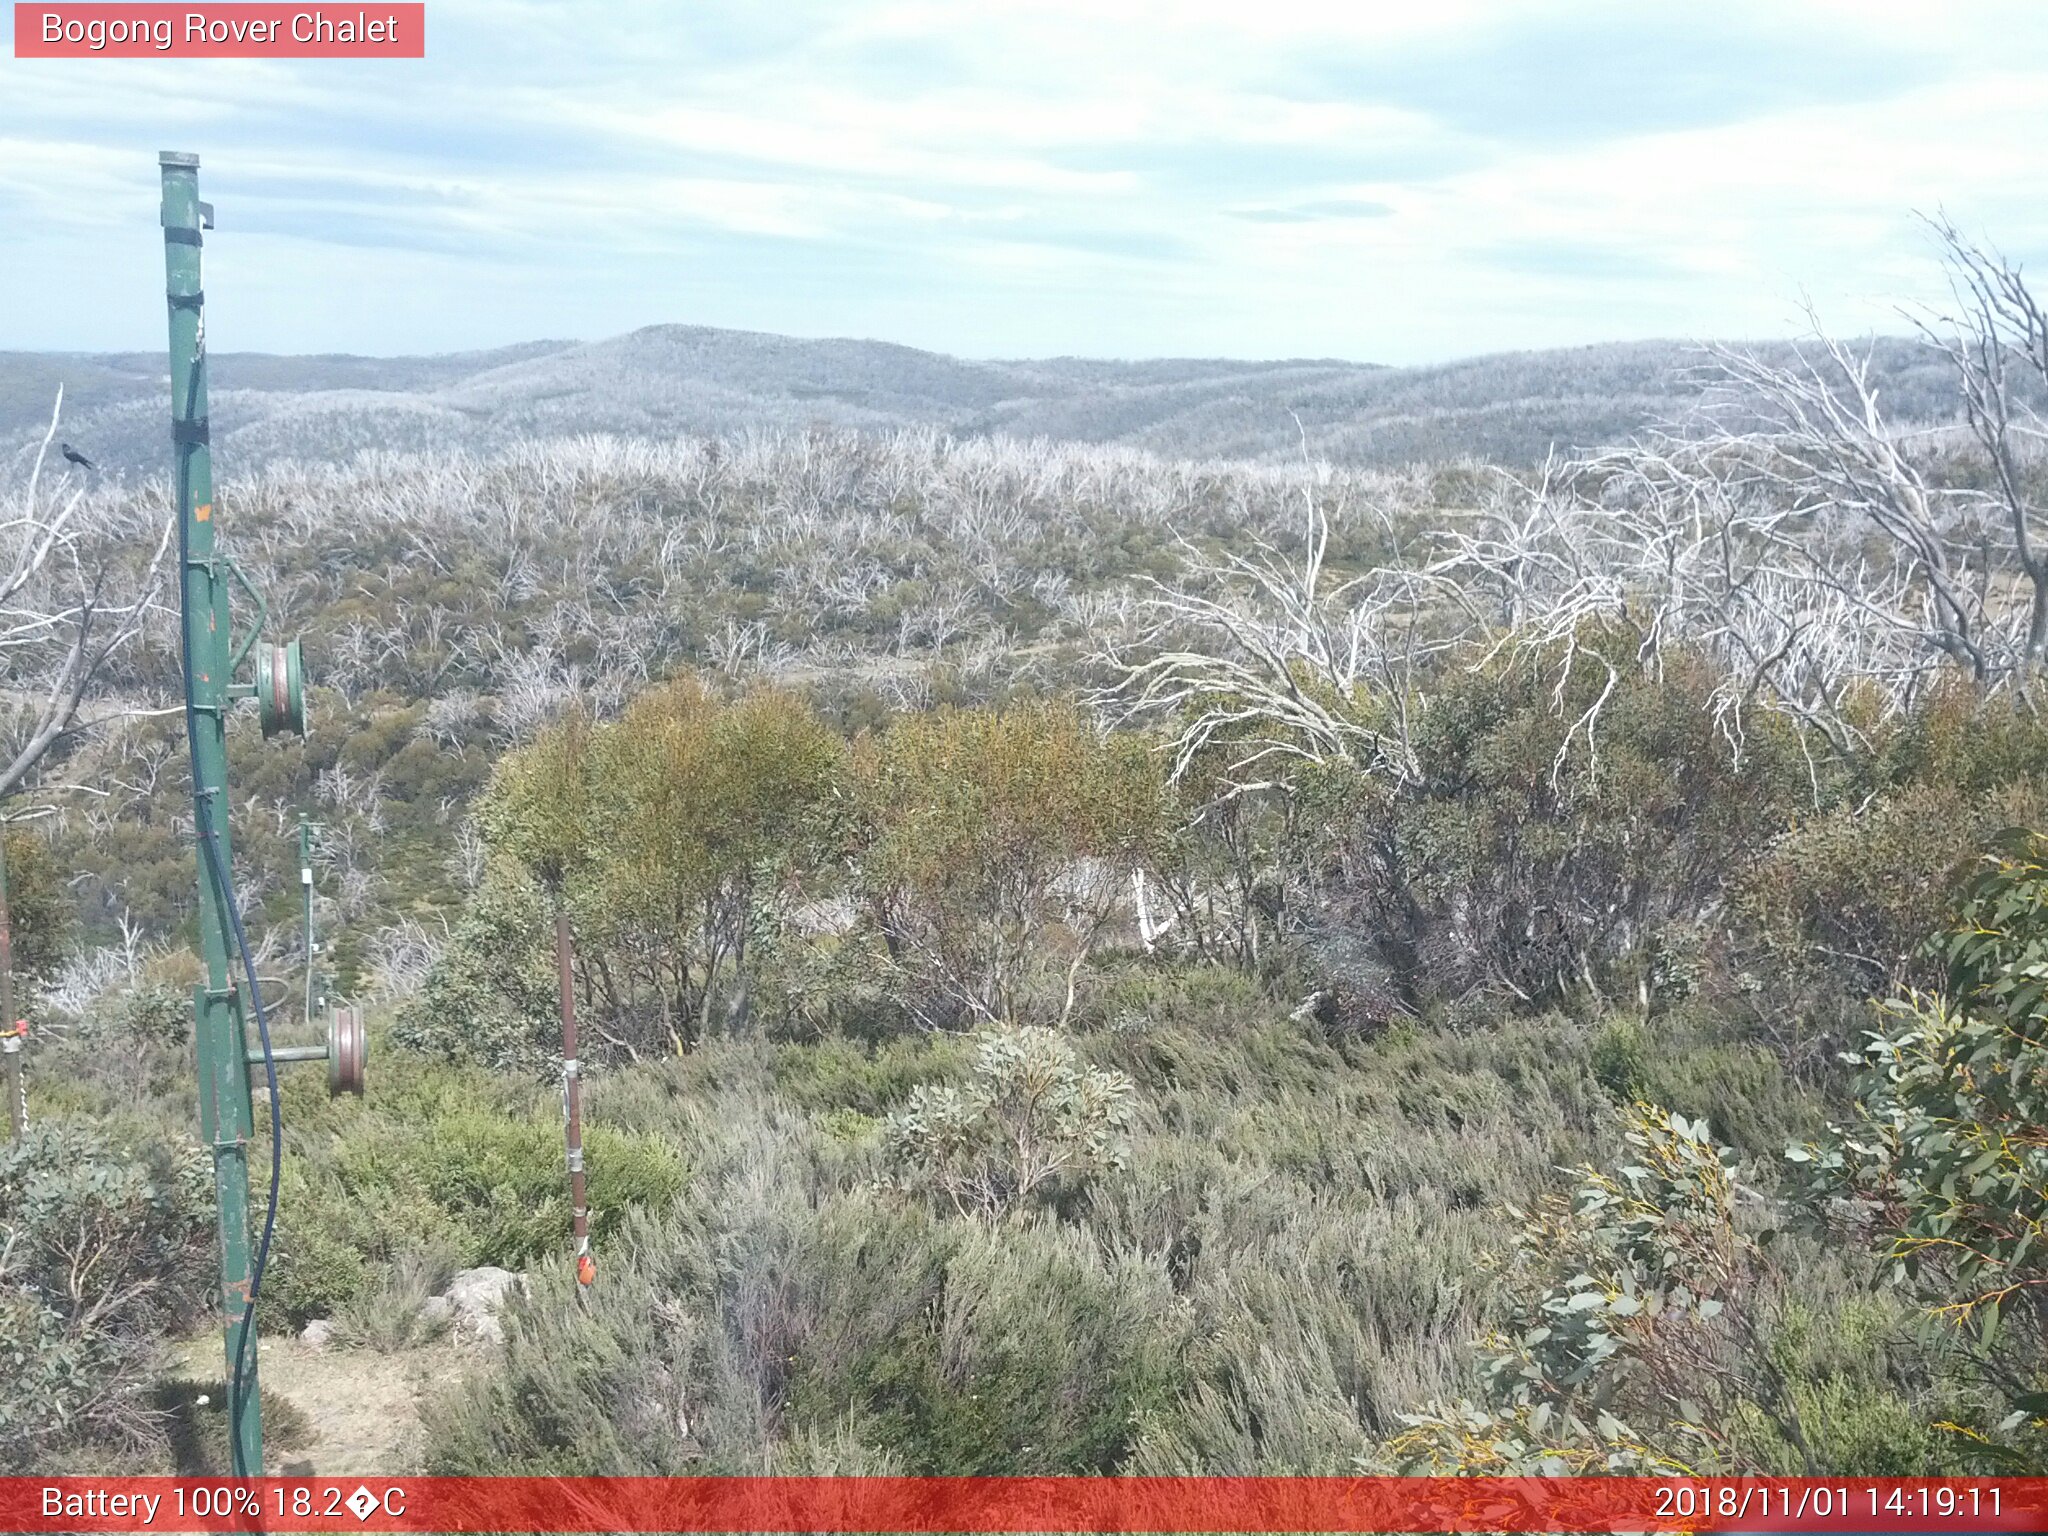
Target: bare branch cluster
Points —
{"points": [[1830, 560], [70, 597]]}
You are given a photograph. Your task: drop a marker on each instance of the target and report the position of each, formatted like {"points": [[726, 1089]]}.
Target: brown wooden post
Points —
{"points": [[572, 1105], [11, 1033]]}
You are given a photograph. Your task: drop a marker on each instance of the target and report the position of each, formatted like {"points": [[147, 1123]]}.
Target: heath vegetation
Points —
{"points": [[1094, 962]]}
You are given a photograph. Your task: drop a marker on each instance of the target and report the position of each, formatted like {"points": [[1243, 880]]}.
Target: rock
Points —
{"points": [[437, 1311], [476, 1296], [482, 1290], [317, 1334]]}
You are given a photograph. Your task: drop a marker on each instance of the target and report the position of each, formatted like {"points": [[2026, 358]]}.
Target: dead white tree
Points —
{"points": [[1258, 654], [72, 593], [1617, 559], [1799, 533], [1840, 472], [1995, 338]]}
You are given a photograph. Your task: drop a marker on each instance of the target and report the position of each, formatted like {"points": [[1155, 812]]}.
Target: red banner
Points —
{"points": [[236, 31], [934, 1504]]}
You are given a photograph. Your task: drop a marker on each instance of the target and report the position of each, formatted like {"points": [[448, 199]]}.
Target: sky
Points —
{"points": [[1386, 182]]}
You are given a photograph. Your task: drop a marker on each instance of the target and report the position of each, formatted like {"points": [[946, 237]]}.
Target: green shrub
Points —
{"points": [[504, 1178], [1871, 1400], [1021, 1351], [442, 1166], [39, 904], [1029, 1122], [681, 837], [323, 1263], [1945, 1154], [873, 1079], [1739, 1085], [157, 1013], [995, 847], [1707, 1064], [1851, 895], [492, 998], [849, 1125], [1960, 738], [1206, 999], [1557, 828], [1633, 1339], [1621, 1056], [102, 1246]]}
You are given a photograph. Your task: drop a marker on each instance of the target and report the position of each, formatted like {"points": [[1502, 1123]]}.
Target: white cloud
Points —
{"points": [[1040, 175]]}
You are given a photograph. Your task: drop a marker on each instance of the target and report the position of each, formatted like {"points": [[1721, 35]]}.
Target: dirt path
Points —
{"points": [[362, 1408]]}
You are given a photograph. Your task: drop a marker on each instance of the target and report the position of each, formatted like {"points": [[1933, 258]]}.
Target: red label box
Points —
{"points": [[851, 1506], [372, 30]]}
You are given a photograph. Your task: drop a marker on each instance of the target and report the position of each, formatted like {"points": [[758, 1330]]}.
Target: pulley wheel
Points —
{"points": [[281, 689], [347, 1050]]}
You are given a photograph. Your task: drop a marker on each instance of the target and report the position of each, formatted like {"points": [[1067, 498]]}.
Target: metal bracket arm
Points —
{"points": [[240, 653]]}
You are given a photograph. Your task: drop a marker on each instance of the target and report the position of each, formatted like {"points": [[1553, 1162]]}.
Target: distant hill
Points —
{"points": [[674, 379]]}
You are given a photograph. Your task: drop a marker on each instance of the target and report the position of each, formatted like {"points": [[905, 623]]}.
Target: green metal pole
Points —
{"points": [[226, 1114]]}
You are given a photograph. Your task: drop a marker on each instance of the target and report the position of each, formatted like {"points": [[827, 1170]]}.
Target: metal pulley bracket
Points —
{"points": [[346, 1052], [348, 1049], [281, 689]]}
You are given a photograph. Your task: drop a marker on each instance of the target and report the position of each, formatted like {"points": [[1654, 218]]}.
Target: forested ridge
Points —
{"points": [[667, 380]]}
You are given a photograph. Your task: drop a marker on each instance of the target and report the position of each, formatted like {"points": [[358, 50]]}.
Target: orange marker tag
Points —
{"points": [[203, 513]]}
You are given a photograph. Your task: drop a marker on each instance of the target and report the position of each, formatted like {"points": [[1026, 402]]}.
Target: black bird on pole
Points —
{"points": [[73, 455]]}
